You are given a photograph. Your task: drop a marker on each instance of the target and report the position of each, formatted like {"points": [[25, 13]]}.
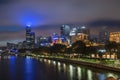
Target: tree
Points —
{"points": [[118, 51], [91, 50], [58, 48], [79, 47], [111, 47], [69, 51]]}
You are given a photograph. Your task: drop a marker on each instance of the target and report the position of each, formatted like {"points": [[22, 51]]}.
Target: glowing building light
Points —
{"points": [[28, 25], [83, 27]]}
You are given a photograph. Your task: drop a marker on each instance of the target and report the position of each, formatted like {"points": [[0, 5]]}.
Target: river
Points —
{"points": [[27, 68]]}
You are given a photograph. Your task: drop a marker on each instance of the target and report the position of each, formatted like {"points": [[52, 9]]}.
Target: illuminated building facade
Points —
{"points": [[79, 33], [43, 41], [73, 31], [30, 38], [56, 39], [79, 36], [115, 36]]}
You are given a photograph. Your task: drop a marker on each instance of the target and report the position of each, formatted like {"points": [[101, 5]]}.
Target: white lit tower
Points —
{"points": [[65, 31]]}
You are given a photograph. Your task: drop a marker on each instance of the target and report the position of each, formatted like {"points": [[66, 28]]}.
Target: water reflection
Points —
{"points": [[79, 73], [54, 62], [74, 72], [12, 66], [112, 75], [28, 68], [89, 72], [102, 77], [71, 71], [20, 68]]}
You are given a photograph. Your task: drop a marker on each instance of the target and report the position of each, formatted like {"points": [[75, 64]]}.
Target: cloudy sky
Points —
{"points": [[15, 14]]}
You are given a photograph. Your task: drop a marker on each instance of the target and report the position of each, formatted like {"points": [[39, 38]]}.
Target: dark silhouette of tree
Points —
{"points": [[69, 51], [22, 50], [111, 47], [91, 50], [79, 47], [58, 48], [118, 51]]}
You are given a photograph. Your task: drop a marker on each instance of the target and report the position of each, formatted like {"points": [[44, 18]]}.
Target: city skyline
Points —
{"points": [[46, 17], [38, 32]]}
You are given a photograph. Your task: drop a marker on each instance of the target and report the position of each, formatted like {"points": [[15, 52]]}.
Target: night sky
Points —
{"points": [[46, 16]]}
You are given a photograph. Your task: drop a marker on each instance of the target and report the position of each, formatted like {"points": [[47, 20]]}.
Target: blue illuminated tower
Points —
{"points": [[30, 38]]}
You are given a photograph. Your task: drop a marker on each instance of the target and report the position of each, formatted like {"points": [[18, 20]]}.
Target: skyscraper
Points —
{"points": [[30, 38], [103, 36], [65, 32]]}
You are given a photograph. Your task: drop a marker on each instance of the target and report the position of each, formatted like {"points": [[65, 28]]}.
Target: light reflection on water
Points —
{"points": [[28, 68], [79, 73], [74, 72], [89, 73], [12, 66], [20, 68]]}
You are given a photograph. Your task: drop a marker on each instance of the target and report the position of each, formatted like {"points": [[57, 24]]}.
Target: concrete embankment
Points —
{"points": [[94, 65]]}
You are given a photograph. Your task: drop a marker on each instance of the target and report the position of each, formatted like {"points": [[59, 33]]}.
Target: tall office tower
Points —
{"points": [[65, 31], [30, 38], [103, 35], [32, 41]]}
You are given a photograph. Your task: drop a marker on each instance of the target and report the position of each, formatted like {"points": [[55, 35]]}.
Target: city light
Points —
{"points": [[28, 25], [70, 40], [83, 27]]}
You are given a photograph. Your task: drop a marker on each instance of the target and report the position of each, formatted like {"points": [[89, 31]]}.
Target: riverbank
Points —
{"points": [[94, 64]]}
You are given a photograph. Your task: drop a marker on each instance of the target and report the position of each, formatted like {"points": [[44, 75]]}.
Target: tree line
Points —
{"points": [[79, 48]]}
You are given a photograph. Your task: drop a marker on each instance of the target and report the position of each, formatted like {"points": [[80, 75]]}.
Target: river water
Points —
{"points": [[27, 68]]}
